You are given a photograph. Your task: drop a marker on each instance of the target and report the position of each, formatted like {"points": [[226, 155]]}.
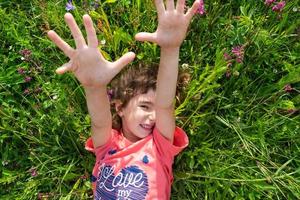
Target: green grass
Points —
{"points": [[244, 128]]}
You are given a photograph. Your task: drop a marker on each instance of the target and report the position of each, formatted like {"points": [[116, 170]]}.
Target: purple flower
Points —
{"points": [[238, 51], [269, 2], [25, 52], [95, 4], [27, 79], [38, 90], [228, 73], [201, 9], [33, 172], [21, 71], [227, 56], [26, 91], [279, 6], [288, 88], [70, 6]]}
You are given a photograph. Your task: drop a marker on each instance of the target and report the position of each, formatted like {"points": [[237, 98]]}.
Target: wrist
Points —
{"points": [[170, 48], [90, 89]]}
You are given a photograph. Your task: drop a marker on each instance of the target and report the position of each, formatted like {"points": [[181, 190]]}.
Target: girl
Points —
{"points": [[134, 161]]}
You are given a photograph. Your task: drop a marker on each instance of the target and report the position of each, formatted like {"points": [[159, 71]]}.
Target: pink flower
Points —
{"points": [[25, 52], [238, 51], [227, 56], [201, 9], [228, 73], [26, 91], [21, 71], [28, 79], [33, 172], [288, 88], [38, 90], [279, 6], [269, 2]]}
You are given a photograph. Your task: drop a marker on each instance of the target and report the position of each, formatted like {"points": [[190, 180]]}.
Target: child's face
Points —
{"points": [[138, 117]]}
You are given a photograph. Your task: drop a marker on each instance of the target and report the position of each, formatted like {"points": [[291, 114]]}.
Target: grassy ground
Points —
{"points": [[241, 112]]}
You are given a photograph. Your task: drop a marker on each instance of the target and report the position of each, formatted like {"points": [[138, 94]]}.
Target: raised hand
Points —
{"points": [[172, 23], [86, 61]]}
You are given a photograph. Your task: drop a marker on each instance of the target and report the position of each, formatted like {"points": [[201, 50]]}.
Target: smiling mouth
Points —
{"points": [[147, 127]]}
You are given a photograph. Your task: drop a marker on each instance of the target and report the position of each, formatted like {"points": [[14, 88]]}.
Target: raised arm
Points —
{"points": [[171, 31], [93, 72]]}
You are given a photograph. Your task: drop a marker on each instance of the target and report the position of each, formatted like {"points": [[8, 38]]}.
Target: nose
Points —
{"points": [[152, 116]]}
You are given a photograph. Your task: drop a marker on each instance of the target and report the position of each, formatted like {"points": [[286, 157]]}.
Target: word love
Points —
{"points": [[109, 181]]}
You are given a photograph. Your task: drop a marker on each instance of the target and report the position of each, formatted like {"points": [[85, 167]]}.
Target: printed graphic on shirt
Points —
{"points": [[131, 183]]}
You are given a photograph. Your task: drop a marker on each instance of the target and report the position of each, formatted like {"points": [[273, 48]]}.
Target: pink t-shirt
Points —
{"points": [[135, 171]]}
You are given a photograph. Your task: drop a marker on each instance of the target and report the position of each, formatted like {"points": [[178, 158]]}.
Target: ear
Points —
{"points": [[118, 107]]}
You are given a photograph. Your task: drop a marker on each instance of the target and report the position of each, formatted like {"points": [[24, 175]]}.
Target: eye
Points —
{"points": [[144, 107]]}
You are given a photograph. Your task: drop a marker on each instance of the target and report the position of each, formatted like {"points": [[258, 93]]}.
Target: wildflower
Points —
{"points": [[70, 6], [236, 73], [238, 51], [4, 162], [228, 73], [43, 195], [27, 79], [102, 42], [201, 10], [227, 56], [26, 91], [269, 2], [25, 52], [38, 90], [21, 71], [279, 6], [33, 172], [292, 111], [295, 9], [288, 88], [95, 4]]}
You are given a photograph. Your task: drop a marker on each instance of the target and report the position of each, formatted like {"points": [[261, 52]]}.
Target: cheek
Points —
{"points": [[137, 115]]}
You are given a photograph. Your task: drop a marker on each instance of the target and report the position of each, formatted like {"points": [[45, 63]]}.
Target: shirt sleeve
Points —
{"points": [[101, 150], [167, 149]]}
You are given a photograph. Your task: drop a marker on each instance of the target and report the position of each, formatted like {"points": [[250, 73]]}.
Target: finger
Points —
{"points": [[191, 12], [160, 7], [90, 31], [180, 6], [144, 36], [123, 61], [77, 35], [68, 51], [65, 68], [170, 5]]}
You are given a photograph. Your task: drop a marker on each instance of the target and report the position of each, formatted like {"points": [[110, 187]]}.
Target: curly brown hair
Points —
{"points": [[137, 80]]}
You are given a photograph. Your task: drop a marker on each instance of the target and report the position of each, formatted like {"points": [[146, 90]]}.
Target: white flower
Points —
{"points": [[102, 42]]}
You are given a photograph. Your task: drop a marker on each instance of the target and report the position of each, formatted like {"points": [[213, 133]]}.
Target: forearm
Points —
{"points": [[98, 107], [167, 77]]}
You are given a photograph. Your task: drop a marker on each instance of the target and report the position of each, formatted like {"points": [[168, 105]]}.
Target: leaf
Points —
{"points": [[282, 167], [110, 1]]}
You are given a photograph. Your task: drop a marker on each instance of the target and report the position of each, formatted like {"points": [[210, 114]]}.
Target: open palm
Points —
{"points": [[86, 61], [172, 23]]}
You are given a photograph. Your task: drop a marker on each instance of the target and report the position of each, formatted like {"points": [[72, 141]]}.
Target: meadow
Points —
{"points": [[239, 104]]}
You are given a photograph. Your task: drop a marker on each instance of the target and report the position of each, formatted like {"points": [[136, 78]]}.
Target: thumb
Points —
{"points": [[124, 60], [65, 68], [144, 36]]}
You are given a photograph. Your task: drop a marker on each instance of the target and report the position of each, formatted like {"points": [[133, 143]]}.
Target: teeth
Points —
{"points": [[146, 126]]}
